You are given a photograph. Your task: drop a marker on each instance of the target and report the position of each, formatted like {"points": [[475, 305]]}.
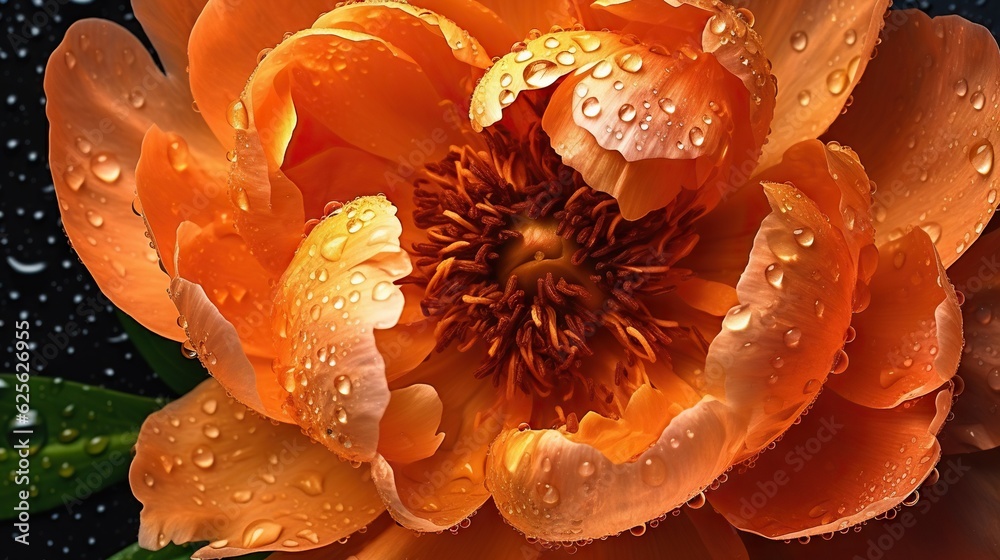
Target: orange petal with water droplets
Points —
{"points": [[777, 347], [104, 91], [976, 425], [956, 516], [208, 469], [924, 124], [224, 46], [224, 301], [581, 494], [910, 340], [439, 491], [819, 51], [842, 465], [336, 291], [691, 535]]}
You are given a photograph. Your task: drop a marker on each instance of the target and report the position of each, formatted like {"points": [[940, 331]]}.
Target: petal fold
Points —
{"points": [[337, 290], [208, 469], [909, 340], [842, 465]]}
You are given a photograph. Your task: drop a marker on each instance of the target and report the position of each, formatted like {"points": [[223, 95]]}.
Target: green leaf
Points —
{"points": [[164, 356], [80, 442], [170, 552]]}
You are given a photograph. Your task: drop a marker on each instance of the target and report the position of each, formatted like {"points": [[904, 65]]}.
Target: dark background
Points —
{"points": [[31, 234]]}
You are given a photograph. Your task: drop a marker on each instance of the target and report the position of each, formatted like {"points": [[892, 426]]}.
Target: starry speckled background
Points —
{"points": [[32, 239]]}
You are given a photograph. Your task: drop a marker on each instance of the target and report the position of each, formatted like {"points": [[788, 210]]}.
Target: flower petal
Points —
{"points": [[819, 50], [228, 329], [931, 151], [104, 91], [910, 340], [168, 26], [977, 275], [224, 47], [207, 469], [958, 516], [175, 185], [842, 465], [777, 347], [691, 535], [408, 430], [613, 119], [301, 105], [441, 490], [338, 288], [554, 489]]}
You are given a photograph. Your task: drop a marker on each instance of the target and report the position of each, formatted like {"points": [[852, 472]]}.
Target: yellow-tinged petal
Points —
{"points": [[554, 489], [208, 469], [336, 291]]}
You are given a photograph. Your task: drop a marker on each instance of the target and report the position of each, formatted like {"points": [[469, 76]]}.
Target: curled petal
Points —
{"points": [[976, 425], [777, 347], [207, 469], [337, 289], [225, 309], [957, 515], [578, 493], [692, 535], [408, 430], [438, 491], [819, 51], [830, 471], [618, 118], [910, 340], [935, 171], [225, 44], [104, 91]]}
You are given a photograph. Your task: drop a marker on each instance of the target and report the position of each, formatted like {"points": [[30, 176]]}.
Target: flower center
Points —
{"points": [[526, 259]]}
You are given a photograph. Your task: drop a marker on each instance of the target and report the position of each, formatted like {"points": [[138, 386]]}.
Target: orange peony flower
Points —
{"points": [[591, 278]]}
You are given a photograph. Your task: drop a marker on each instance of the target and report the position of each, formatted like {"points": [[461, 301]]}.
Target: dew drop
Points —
{"points": [[799, 41], [343, 385], [626, 113], [981, 157], [105, 167], [591, 107], [540, 74]]}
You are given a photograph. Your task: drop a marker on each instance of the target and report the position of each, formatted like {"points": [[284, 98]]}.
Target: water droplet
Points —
{"points": [[602, 70], [993, 379], [382, 291], [961, 88], [591, 107], [333, 249], [793, 337], [95, 219], [799, 41], [261, 533], [738, 318], [565, 58], [837, 81], [630, 62], [542, 73], [137, 98], [587, 468], [241, 199], [850, 37], [653, 471], [343, 385], [203, 457], [105, 166], [805, 97], [697, 136], [506, 98], [626, 113], [774, 275], [978, 101], [981, 157], [238, 117], [588, 43], [177, 153], [242, 496], [357, 278], [667, 105]]}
